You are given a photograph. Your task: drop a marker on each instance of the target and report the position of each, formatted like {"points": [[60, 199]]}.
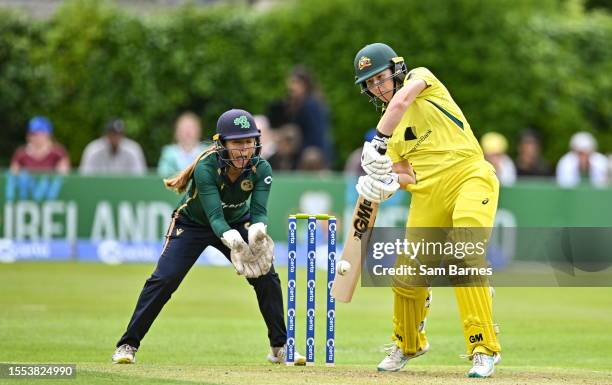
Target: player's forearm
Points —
{"points": [[211, 203], [405, 179], [391, 118], [219, 226], [399, 105], [216, 218], [405, 173], [258, 209]]}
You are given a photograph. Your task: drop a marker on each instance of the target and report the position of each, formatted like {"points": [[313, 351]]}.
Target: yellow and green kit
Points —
{"points": [[455, 187]]}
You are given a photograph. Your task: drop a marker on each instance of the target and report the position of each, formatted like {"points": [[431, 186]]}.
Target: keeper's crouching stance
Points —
{"points": [[425, 145], [214, 212]]}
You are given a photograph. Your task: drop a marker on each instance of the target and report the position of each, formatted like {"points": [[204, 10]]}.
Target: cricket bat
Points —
{"points": [[363, 218]]}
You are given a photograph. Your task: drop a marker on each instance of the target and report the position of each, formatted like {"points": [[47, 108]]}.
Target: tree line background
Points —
{"points": [[510, 64]]}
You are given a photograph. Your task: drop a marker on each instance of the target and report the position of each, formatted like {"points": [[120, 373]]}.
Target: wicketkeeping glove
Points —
{"points": [[375, 190], [262, 247], [240, 253]]}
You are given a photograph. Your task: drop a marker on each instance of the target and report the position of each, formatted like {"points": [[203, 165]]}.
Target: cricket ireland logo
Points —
{"points": [[242, 121]]}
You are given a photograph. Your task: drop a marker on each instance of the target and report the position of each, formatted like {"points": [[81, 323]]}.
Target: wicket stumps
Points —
{"points": [[310, 287]]}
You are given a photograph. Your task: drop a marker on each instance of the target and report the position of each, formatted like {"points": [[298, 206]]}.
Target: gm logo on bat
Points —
{"points": [[364, 214]]}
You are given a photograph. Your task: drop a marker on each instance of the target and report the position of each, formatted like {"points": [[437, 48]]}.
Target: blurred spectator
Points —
{"points": [[113, 153], [582, 163], [312, 159], [40, 153], [529, 161], [305, 108], [352, 166], [276, 113], [287, 148], [268, 138], [175, 157], [494, 145]]}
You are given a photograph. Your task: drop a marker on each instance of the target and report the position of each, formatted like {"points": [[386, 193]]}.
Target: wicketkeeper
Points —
{"points": [[215, 211]]}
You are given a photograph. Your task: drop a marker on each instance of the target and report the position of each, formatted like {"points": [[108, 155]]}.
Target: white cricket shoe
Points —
{"points": [[125, 354], [396, 359], [483, 365], [278, 356]]}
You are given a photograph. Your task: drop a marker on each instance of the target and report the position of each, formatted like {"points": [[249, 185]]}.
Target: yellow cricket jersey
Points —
{"points": [[433, 135]]}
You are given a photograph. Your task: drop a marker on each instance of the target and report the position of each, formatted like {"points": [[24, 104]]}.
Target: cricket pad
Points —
{"points": [[410, 309], [476, 312]]}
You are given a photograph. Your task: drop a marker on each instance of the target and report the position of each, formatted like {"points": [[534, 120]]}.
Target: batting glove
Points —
{"points": [[373, 163], [380, 142], [375, 190]]}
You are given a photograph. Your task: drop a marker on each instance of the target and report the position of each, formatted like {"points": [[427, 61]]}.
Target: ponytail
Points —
{"points": [[180, 181]]}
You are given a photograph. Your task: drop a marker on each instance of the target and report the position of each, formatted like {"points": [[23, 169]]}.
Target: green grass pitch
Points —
{"points": [[211, 331]]}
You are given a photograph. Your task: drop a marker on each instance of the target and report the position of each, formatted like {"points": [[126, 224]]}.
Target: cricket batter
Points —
{"points": [[216, 211], [431, 152]]}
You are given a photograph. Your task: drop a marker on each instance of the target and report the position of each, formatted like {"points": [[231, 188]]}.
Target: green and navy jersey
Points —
{"points": [[212, 200]]}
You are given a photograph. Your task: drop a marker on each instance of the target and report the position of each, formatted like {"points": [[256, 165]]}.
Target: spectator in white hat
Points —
{"points": [[582, 163]]}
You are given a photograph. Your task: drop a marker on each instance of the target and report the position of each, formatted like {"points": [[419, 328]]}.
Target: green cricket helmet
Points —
{"points": [[374, 59], [233, 125]]}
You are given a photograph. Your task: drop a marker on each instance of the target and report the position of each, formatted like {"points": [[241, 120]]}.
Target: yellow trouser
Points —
{"points": [[459, 198]]}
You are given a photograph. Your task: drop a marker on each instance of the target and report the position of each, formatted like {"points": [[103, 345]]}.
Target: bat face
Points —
{"points": [[363, 218]]}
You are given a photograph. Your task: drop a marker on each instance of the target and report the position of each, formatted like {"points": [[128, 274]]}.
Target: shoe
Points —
{"points": [[396, 359], [278, 355], [483, 365], [125, 354]]}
